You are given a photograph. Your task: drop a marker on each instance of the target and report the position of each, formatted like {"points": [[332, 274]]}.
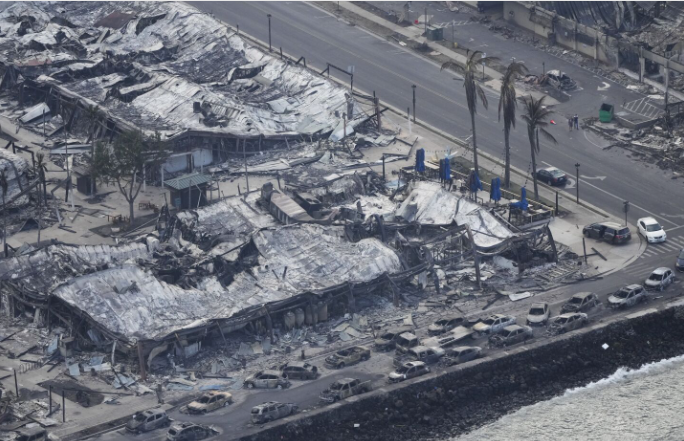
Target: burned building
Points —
{"points": [[162, 68]]}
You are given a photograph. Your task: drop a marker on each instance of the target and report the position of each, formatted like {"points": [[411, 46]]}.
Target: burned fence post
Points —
{"points": [[16, 383], [350, 298], [584, 246], [269, 323], [50, 394], [476, 256], [552, 243], [141, 362], [63, 407]]}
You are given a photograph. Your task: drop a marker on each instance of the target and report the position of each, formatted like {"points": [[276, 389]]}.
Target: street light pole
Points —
{"points": [[577, 166], [414, 102], [426, 20], [269, 32], [626, 210]]}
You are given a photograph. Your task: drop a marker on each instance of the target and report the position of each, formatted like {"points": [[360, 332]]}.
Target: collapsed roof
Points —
{"points": [[15, 168], [166, 67], [430, 204], [133, 304], [235, 217]]}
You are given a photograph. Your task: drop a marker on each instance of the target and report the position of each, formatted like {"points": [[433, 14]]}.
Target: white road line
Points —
{"points": [[677, 240], [668, 246]]}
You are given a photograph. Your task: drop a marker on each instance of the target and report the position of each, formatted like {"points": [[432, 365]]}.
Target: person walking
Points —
{"points": [[570, 123], [576, 118]]}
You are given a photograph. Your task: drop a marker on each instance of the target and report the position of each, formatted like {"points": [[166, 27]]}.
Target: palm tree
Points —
{"points": [[508, 104], [4, 184], [473, 90], [41, 168], [536, 115]]}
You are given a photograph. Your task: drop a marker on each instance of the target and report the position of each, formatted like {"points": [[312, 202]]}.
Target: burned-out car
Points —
{"points": [[210, 401], [660, 279], [189, 432], [420, 353], [297, 370], [405, 341], [567, 322], [267, 380], [511, 335], [386, 341], [461, 354], [538, 314], [148, 420], [445, 324], [581, 302], [560, 80], [36, 433], [272, 410], [407, 371], [344, 388], [348, 357], [627, 296], [492, 324]]}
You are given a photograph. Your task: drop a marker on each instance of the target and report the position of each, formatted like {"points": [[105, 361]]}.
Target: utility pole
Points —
{"points": [[625, 208], [426, 20], [269, 32], [413, 86], [244, 157], [577, 166]]}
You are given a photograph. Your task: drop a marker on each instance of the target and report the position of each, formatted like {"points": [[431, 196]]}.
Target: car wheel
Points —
{"points": [[279, 387], [226, 404], [586, 234], [250, 386], [365, 357], [340, 366]]}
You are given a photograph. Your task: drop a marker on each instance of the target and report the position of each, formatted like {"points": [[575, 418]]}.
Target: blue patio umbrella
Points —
{"points": [[495, 192], [522, 203], [474, 183], [420, 160], [447, 169]]}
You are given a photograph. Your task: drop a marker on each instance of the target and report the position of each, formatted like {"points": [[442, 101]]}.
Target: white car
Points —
{"points": [[660, 278], [651, 230], [492, 325]]}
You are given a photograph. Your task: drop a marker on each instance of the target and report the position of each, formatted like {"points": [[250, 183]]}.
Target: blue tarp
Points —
{"points": [[495, 192], [474, 183], [420, 160], [522, 204]]}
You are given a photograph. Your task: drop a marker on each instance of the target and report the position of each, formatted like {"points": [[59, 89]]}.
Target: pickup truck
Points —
{"points": [[347, 357], [419, 353], [344, 388]]}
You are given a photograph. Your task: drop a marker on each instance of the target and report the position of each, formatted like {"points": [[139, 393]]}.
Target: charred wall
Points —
{"points": [[465, 398]]}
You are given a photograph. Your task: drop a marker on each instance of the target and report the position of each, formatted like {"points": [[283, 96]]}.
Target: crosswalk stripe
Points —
{"points": [[679, 241], [649, 252], [664, 247]]}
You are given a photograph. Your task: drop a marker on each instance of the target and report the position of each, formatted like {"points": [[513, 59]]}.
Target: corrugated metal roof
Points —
{"points": [[187, 181]]}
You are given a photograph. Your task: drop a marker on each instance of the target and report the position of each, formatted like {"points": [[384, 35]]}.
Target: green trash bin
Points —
{"points": [[606, 113]]}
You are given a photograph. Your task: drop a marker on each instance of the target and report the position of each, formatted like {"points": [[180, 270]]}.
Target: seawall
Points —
{"points": [[463, 398]]}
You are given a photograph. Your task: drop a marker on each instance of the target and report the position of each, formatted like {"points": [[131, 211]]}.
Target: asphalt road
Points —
{"points": [[610, 177]]}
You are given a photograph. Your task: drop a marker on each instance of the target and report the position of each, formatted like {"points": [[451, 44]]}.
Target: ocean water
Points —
{"points": [[630, 405]]}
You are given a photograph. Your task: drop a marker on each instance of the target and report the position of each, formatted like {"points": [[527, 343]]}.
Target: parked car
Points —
{"points": [[461, 354], [651, 230], [36, 433], [344, 388], [267, 380], [609, 231], [626, 296], [679, 263], [538, 314], [567, 322], [404, 342], [492, 325], [348, 357], [388, 339], [210, 401], [407, 371], [552, 176], [272, 410], [420, 353], [189, 432], [297, 370], [445, 324], [511, 335], [660, 278], [581, 302], [148, 420]]}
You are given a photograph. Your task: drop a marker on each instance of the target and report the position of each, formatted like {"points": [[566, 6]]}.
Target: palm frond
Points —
{"points": [[547, 135], [452, 66], [483, 97]]}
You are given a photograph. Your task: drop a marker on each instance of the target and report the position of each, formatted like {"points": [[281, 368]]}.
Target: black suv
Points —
{"points": [[609, 231]]}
